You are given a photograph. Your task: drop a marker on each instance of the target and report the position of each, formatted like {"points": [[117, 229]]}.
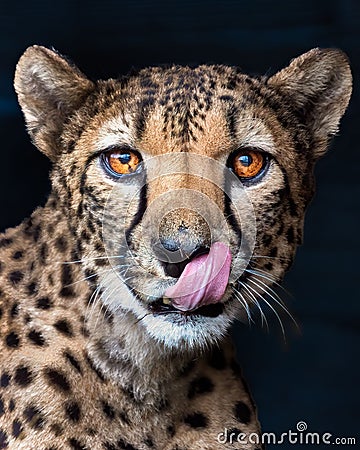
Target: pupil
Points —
{"points": [[125, 158], [245, 160]]}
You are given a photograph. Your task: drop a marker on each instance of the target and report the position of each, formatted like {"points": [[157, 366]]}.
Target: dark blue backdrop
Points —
{"points": [[315, 376]]}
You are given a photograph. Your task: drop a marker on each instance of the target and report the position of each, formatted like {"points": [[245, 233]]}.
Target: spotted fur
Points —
{"points": [[86, 363]]}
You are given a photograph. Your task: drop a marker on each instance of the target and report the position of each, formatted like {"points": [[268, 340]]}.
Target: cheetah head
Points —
{"points": [[184, 187]]}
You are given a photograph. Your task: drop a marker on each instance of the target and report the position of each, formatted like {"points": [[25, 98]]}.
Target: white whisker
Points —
{"points": [[269, 304], [255, 301]]}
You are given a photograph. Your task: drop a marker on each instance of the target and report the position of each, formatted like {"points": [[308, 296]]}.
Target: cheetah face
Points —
{"points": [[186, 188]]}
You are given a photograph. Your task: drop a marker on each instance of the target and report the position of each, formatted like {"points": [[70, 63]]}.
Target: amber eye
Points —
{"points": [[248, 163], [121, 162]]}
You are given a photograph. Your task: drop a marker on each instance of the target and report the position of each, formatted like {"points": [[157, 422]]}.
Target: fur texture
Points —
{"points": [[85, 362]]}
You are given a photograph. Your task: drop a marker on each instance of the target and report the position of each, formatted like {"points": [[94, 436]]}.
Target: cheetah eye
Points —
{"points": [[120, 162], [248, 163]]}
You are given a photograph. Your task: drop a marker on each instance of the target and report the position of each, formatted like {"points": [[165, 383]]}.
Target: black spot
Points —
{"points": [[290, 235], [84, 331], [109, 446], [56, 429], [43, 303], [108, 316], [61, 244], [196, 420], [66, 278], [242, 412], [30, 412], [43, 253], [230, 117], [36, 337], [5, 242], [12, 340], [200, 385], [23, 376], [273, 252], [16, 276], [5, 380], [67, 291], [171, 430], [36, 233], [73, 361], [51, 280], [292, 208], [80, 209], [16, 428], [280, 230], [57, 379], [76, 445], [32, 288], [123, 416], [91, 226], [217, 359], [227, 98], [14, 311], [162, 404], [11, 405], [64, 327], [2, 409], [125, 445], [149, 442], [3, 439], [267, 238], [73, 411], [27, 319], [108, 410], [268, 266], [18, 255], [85, 236], [33, 417], [233, 434], [129, 391]]}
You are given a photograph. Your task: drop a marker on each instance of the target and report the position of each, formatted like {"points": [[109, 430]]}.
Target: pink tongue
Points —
{"points": [[203, 280]]}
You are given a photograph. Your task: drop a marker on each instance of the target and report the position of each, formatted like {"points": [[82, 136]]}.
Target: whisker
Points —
{"points": [[264, 274], [271, 293], [244, 303], [255, 301], [84, 260], [269, 304], [282, 258]]}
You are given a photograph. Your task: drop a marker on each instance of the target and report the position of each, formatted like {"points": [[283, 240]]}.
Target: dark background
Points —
{"points": [[315, 376]]}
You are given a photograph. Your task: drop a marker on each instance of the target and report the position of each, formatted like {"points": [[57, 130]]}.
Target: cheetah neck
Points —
{"points": [[123, 351], [118, 346]]}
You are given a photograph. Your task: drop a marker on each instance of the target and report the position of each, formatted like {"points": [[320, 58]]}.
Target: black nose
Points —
{"points": [[183, 234]]}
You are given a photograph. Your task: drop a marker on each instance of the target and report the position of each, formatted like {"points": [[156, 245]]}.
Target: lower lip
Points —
{"points": [[213, 310]]}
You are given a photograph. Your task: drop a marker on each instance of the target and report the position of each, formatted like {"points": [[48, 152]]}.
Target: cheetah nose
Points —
{"points": [[183, 234]]}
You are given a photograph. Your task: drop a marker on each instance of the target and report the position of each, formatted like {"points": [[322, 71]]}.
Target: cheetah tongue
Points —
{"points": [[203, 280]]}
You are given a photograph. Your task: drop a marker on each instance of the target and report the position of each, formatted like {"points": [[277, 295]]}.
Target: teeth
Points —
{"points": [[166, 301]]}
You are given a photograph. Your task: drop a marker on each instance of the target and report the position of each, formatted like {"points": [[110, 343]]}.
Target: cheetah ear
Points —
{"points": [[49, 89], [318, 86]]}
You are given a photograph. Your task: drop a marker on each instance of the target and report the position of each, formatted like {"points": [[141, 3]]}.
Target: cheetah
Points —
{"points": [[177, 202]]}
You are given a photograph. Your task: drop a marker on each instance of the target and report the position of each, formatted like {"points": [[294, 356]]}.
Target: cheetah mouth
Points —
{"points": [[162, 306]]}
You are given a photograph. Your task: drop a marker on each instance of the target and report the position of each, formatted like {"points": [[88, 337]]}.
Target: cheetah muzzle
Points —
{"points": [[177, 203]]}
